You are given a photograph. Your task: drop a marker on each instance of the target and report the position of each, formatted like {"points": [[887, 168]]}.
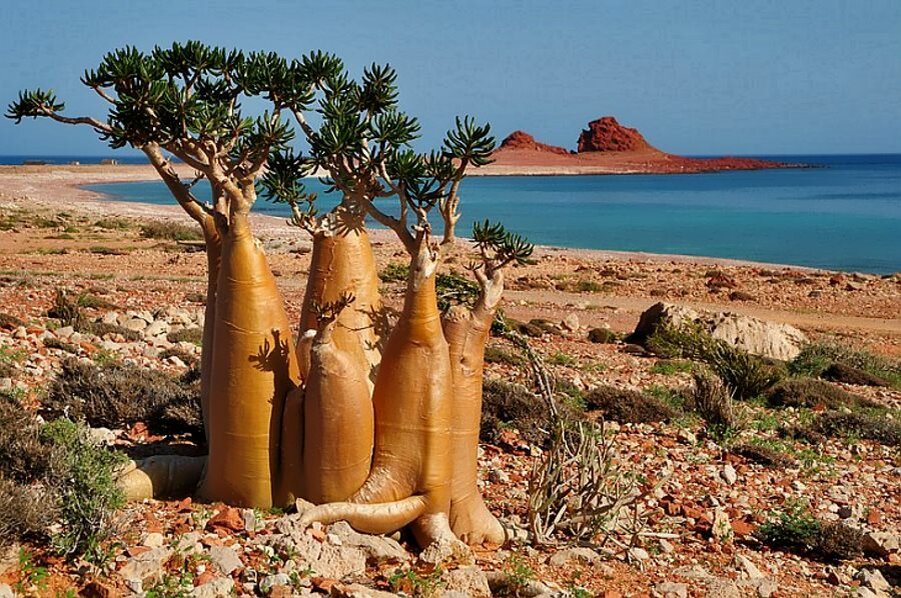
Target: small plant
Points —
{"points": [[519, 575], [423, 584], [671, 367], [588, 286], [712, 401], [104, 250], [500, 355], [113, 223], [792, 527], [807, 392], [395, 273], [858, 425], [627, 406], [188, 335], [815, 358], [561, 358], [32, 576]]}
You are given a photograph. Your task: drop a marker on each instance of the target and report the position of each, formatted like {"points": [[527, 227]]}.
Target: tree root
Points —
{"points": [[161, 476], [381, 518]]}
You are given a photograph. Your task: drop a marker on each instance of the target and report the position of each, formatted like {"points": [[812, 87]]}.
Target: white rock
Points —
{"points": [[220, 586], [873, 579], [157, 328], [722, 526], [137, 324], [270, 581], [153, 539], [728, 474], [110, 317], [65, 332], [225, 559], [6, 591], [669, 589], [571, 322]]}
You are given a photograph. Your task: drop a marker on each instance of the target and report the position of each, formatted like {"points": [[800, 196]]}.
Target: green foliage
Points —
{"points": [[85, 486], [712, 401], [494, 354], [815, 358], [189, 335], [502, 246], [452, 289], [561, 358], [395, 273], [424, 584], [874, 426], [807, 392], [792, 527], [33, 576], [113, 223], [170, 231], [746, 375], [671, 367], [519, 575]]}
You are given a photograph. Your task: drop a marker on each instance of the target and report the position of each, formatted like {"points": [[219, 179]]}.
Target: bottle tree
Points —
{"points": [[375, 419]]}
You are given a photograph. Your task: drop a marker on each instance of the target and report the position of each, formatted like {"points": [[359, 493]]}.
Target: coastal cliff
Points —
{"points": [[607, 147]]}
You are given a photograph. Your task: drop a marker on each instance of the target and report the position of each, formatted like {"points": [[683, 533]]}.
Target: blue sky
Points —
{"points": [[696, 77]]}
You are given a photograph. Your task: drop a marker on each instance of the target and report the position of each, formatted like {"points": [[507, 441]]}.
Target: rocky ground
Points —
{"points": [[705, 500]]}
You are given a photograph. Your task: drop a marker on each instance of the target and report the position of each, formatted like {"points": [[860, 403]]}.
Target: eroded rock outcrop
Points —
{"points": [[607, 135], [759, 337], [520, 140]]}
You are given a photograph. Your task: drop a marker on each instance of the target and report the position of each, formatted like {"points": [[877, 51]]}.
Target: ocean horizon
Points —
{"points": [[843, 215]]}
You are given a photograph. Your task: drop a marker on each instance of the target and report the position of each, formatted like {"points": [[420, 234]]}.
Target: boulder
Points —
{"points": [[467, 581], [759, 337]]}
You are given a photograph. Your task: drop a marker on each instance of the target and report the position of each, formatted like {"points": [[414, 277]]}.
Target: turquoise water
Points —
{"points": [[845, 215]]}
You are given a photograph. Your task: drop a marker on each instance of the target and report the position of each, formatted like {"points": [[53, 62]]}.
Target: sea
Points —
{"points": [[842, 213]]}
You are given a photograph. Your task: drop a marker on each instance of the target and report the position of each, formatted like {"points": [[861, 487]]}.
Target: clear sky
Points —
{"points": [[696, 77]]}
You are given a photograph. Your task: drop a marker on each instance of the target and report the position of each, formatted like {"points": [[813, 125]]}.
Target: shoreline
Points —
{"points": [[40, 184]]}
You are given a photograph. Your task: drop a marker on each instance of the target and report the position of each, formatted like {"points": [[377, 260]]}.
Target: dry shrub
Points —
{"points": [[25, 512], [627, 406], [712, 401], [116, 395], [10, 321], [762, 455], [510, 405], [867, 426], [840, 372], [815, 358], [24, 456], [186, 335], [807, 392]]}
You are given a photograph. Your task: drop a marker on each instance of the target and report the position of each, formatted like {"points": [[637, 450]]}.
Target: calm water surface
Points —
{"points": [[845, 215]]}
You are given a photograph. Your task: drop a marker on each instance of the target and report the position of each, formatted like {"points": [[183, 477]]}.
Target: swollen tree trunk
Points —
{"points": [[411, 467], [467, 332], [253, 369], [213, 258], [338, 422]]}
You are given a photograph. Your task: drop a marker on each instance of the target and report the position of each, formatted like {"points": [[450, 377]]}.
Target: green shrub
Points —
{"points": [[793, 527], [495, 354], [453, 289], [55, 343], [104, 250], [101, 329], [84, 482], [171, 231], [602, 336], [815, 358], [113, 223], [627, 406], [670, 367], [395, 273], [561, 358]]}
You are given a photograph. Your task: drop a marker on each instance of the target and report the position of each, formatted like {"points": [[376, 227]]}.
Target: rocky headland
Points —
{"points": [[607, 147]]}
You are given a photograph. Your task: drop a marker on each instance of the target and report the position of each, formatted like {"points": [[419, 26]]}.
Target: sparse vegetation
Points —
{"points": [[807, 392], [815, 358], [858, 425], [712, 401], [494, 354], [627, 406], [671, 367], [794, 528], [186, 335], [602, 336], [762, 455], [510, 405], [170, 231], [117, 395]]}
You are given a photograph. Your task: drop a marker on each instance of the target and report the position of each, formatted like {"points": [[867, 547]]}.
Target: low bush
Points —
{"points": [[495, 354], [712, 401], [746, 375], [117, 395], [186, 335], [670, 367], [511, 405], [170, 231], [10, 321], [25, 512], [602, 336], [762, 455], [55, 343], [394, 273], [807, 392], [795, 529], [840, 372], [24, 456], [815, 358], [627, 406], [83, 480], [866, 426]]}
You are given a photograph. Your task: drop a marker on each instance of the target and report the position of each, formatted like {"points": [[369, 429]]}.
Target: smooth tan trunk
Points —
{"points": [[343, 263], [253, 369], [338, 424], [411, 469], [467, 333]]}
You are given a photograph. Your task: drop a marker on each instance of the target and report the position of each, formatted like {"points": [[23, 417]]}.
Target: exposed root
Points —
{"points": [[382, 518], [161, 476]]}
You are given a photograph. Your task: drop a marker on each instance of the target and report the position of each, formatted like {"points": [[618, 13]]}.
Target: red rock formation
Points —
{"points": [[520, 140], [607, 135]]}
